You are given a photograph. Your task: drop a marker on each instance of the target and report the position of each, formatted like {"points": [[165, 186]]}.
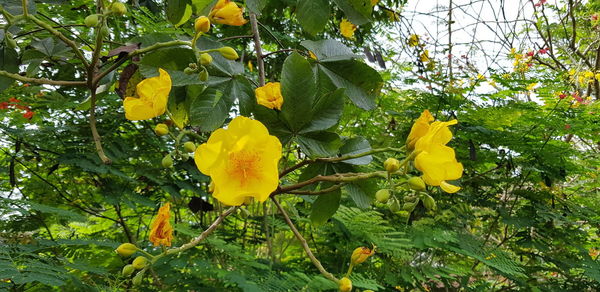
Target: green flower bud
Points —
{"points": [[104, 31], [410, 199], [416, 183], [429, 203], [203, 75], [137, 279], [10, 41], [127, 270], [403, 214], [161, 129], [382, 195], [126, 249], [118, 8], [206, 59], [229, 53], [167, 161], [189, 146], [189, 71], [140, 262], [409, 207], [391, 165], [91, 20], [394, 205]]}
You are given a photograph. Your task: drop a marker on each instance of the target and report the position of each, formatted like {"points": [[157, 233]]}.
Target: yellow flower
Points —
{"points": [[531, 86], [437, 161], [241, 161], [424, 57], [312, 55], [513, 51], [480, 76], [161, 231], [347, 28], [153, 95], [269, 95], [361, 254], [345, 285], [227, 12], [419, 129], [413, 40]]}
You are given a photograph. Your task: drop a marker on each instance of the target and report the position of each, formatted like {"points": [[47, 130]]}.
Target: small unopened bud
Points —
{"points": [[91, 20], [205, 59], [361, 254], [189, 146], [127, 270], [403, 214], [229, 53], [104, 31], [429, 203], [137, 279], [189, 71], [140, 262], [202, 24], [118, 8], [409, 207], [10, 41], [410, 199], [416, 183], [345, 285], [382, 195], [126, 249], [393, 205], [161, 129], [167, 161], [203, 75], [391, 165]]}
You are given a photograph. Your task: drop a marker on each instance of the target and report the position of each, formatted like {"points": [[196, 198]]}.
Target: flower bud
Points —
{"points": [[202, 24], [403, 214], [229, 53], [391, 165], [104, 31], [140, 262], [167, 161], [410, 199], [161, 129], [416, 183], [203, 75], [205, 59], [10, 41], [409, 207], [118, 8], [394, 206], [137, 279], [127, 270], [189, 146], [429, 203], [126, 249], [382, 195], [361, 254], [91, 20], [345, 285], [189, 71]]}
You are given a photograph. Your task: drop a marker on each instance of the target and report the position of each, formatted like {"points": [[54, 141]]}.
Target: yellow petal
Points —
{"points": [[448, 188], [136, 109]]}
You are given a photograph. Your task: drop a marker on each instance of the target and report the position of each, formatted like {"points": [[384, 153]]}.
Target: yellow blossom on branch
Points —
{"points": [[241, 161], [413, 40], [269, 95], [361, 254], [419, 129], [227, 12], [424, 57], [161, 231], [347, 28], [153, 94]]}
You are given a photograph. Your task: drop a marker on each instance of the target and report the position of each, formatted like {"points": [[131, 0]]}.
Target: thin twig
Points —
{"points": [[257, 47]]}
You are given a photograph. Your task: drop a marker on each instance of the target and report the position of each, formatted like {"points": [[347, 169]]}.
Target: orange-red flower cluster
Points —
{"points": [[14, 103]]}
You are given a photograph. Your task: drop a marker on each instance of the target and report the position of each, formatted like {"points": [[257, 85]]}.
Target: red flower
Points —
{"points": [[567, 126], [543, 51], [594, 17], [530, 53], [22, 107], [12, 99], [28, 115], [4, 105], [562, 96]]}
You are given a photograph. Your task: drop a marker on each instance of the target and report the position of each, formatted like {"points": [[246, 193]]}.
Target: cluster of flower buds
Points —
{"points": [[126, 250]]}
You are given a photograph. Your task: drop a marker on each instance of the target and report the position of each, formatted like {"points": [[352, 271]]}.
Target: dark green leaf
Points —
{"points": [[9, 61], [326, 112], [313, 15], [324, 207], [179, 11], [319, 144], [362, 83], [298, 88], [329, 50], [357, 11], [209, 109], [356, 145]]}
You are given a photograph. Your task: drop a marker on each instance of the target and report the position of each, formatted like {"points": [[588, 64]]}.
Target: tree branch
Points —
{"points": [[41, 80], [259, 56]]}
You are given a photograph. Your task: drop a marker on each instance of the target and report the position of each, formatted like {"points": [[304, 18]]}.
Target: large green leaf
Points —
{"points": [[9, 61], [324, 207], [298, 87], [220, 66], [357, 11], [202, 7], [313, 15], [179, 11], [209, 108], [356, 145], [329, 50], [256, 6], [174, 60], [319, 144], [362, 83], [326, 112]]}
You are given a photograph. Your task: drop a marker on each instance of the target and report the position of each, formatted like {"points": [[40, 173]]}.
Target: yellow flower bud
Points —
{"points": [[161, 129], [205, 59], [382, 195], [167, 161], [391, 165], [118, 8], [91, 20], [345, 285], [202, 24], [126, 249], [140, 262], [361, 254], [416, 183], [127, 270], [229, 53]]}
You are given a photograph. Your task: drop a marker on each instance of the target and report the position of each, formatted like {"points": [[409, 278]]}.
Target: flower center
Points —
{"points": [[244, 166]]}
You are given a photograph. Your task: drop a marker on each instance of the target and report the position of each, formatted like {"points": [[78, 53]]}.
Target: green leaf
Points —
{"points": [[356, 145], [326, 112], [174, 61], [329, 50], [313, 15], [256, 6], [179, 11], [220, 66], [209, 109], [324, 207], [358, 193], [51, 47], [9, 61], [202, 7], [298, 88], [179, 104], [362, 83], [357, 11], [319, 144]]}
